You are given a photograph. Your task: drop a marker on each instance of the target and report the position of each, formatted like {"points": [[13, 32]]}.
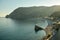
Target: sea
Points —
{"points": [[11, 29]]}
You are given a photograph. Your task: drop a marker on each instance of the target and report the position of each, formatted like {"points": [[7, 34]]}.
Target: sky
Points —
{"points": [[7, 6]]}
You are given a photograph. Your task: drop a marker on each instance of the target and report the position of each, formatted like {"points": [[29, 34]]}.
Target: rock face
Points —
{"points": [[32, 12]]}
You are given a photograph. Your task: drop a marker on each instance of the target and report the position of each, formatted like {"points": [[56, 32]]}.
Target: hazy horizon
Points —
{"points": [[7, 6]]}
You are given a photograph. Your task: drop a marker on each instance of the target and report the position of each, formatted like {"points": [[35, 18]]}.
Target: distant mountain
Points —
{"points": [[33, 12]]}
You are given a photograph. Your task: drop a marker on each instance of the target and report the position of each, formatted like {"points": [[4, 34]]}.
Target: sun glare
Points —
{"points": [[2, 15]]}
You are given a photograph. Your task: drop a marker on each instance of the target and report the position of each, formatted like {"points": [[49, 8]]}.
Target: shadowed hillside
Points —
{"points": [[56, 15], [32, 12]]}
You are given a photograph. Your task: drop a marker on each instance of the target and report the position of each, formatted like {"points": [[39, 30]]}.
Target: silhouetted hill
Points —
{"points": [[33, 12]]}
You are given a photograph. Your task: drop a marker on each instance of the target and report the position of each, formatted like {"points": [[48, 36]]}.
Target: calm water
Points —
{"points": [[19, 30]]}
